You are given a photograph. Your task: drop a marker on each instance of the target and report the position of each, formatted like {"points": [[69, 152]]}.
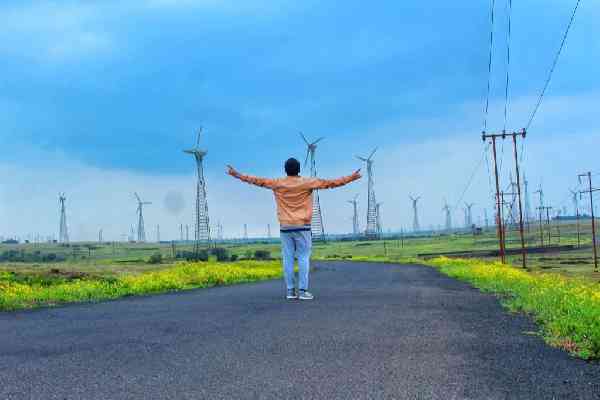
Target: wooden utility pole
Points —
{"points": [[591, 191], [500, 230], [501, 234], [521, 230]]}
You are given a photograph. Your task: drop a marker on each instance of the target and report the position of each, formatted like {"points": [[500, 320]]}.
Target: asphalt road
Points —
{"points": [[374, 332]]}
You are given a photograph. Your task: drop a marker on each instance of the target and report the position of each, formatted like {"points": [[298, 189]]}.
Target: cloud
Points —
{"points": [[435, 167], [103, 199], [60, 32]]}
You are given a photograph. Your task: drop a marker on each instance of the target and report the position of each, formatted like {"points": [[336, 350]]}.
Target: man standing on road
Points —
{"points": [[294, 198]]}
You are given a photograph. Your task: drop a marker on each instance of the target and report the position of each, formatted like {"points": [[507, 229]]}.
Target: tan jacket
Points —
{"points": [[293, 194]]}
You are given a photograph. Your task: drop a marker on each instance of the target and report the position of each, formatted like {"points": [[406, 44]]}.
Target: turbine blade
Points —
{"points": [[137, 197], [318, 140], [362, 158], [373, 153], [304, 138]]}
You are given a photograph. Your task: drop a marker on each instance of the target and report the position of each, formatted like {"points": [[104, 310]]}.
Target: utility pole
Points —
{"points": [[578, 228], [548, 223], [591, 191], [523, 249], [484, 137], [542, 209], [527, 204]]}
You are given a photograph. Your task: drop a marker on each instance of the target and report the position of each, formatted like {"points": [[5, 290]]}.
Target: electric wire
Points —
{"points": [[556, 57], [470, 181], [507, 64], [491, 52]]}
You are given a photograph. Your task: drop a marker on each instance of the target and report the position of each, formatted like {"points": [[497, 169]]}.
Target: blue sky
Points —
{"points": [[107, 88]]}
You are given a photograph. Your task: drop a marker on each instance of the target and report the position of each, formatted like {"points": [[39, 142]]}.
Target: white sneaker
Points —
{"points": [[305, 295]]}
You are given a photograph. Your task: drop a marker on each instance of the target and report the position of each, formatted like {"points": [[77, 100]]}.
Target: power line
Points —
{"points": [[487, 99], [507, 63], [470, 181], [562, 44]]}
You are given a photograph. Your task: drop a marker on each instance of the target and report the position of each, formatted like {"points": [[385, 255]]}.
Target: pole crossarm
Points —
{"points": [[503, 135]]}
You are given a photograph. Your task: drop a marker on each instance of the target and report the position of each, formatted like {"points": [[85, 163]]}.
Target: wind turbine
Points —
{"points": [[415, 200], [202, 222], [371, 230], [448, 213], [317, 228], [469, 214], [575, 200], [63, 233], [141, 233], [355, 227]]}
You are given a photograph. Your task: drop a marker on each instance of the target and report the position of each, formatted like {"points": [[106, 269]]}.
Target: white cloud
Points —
{"points": [[103, 199], [561, 144]]}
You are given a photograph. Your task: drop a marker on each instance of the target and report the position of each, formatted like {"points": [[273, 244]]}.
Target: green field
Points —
{"points": [[120, 258]]}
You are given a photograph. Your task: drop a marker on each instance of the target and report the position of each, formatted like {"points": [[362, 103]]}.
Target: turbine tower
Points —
{"points": [[415, 200], [527, 215], [201, 227], [63, 233], [469, 214], [317, 228], [446, 210], [355, 227], [141, 232], [371, 230], [575, 200], [379, 226]]}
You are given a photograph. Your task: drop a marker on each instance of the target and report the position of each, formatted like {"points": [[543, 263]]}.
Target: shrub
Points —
{"points": [[262, 255], [221, 253], [233, 257], [155, 258], [191, 256]]}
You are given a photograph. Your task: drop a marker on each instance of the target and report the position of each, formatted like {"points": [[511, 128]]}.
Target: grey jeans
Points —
{"points": [[296, 244]]}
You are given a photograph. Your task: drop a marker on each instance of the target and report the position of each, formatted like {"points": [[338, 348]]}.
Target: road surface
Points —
{"points": [[374, 332]]}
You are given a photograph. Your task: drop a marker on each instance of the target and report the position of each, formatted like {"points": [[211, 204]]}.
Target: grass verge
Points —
{"points": [[16, 293], [567, 309]]}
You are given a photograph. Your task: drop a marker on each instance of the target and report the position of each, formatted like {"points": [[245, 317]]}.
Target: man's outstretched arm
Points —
{"points": [[254, 180], [333, 183]]}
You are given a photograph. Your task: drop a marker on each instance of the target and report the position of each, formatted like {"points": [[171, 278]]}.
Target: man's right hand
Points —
{"points": [[356, 174], [231, 171]]}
